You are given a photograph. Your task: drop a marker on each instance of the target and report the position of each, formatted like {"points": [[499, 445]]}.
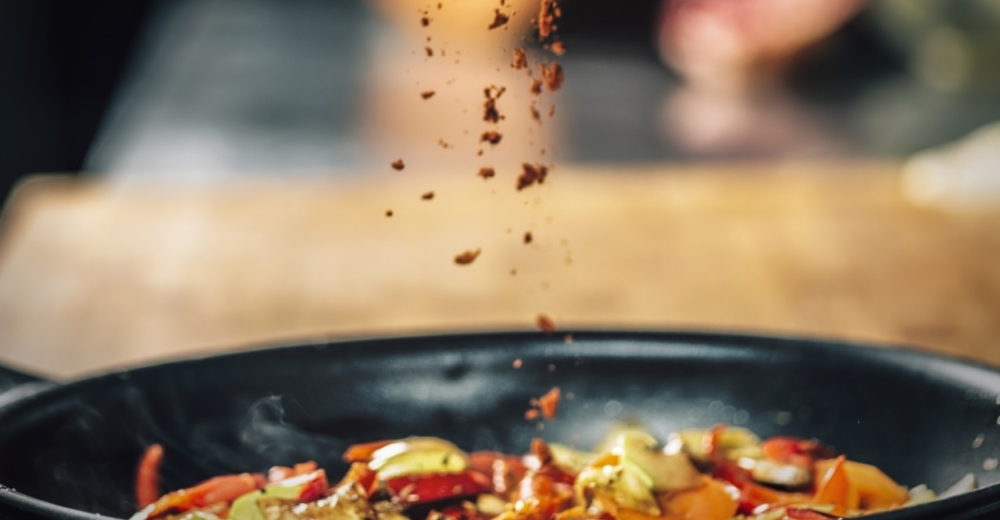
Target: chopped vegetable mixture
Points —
{"points": [[722, 473]]}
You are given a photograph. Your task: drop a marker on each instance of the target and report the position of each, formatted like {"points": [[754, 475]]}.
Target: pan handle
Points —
{"points": [[16, 385]]}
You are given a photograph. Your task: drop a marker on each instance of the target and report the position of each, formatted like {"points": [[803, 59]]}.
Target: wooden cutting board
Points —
{"points": [[97, 275]]}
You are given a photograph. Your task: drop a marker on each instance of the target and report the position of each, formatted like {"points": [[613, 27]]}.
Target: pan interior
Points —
{"points": [[917, 417]]}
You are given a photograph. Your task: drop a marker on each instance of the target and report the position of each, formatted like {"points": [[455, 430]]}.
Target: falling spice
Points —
{"points": [[429, 51], [548, 405], [444, 144], [427, 94], [388, 212], [545, 323], [517, 364], [490, 112], [467, 257], [558, 48], [552, 75], [548, 15], [535, 114], [531, 174], [536, 87], [398, 164], [491, 136], [425, 21], [527, 237], [427, 196], [552, 111], [499, 19], [487, 172], [520, 59]]}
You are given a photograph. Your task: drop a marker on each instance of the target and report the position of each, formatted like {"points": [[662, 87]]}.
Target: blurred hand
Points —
{"points": [[728, 44]]}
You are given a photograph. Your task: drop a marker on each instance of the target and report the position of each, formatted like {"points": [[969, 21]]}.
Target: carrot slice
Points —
{"points": [[835, 488], [147, 478], [875, 489], [709, 501]]}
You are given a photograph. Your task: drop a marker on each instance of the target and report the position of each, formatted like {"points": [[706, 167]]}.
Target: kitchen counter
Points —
{"points": [[99, 274]]}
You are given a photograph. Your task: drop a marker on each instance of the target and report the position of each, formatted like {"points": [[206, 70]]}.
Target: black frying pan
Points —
{"points": [[71, 451]]}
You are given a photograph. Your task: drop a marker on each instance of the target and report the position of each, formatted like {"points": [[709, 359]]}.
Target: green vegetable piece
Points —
{"points": [[246, 508], [417, 456], [659, 470]]}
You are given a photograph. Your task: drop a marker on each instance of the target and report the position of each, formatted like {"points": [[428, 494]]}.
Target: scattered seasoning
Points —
{"points": [[558, 48], [486, 172], [444, 144], [531, 414], [552, 111], [541, 451], [388, 212], [429, 51], [532, 173], [499, 19], [480, 152], [427, 94], [425, 21], [545, 323], [549, 403], [398, 164], [520, 59], [552, 75], [536, 86], [427, 196], [490, 112], [527, 237], [548, 14], [467, 257], [491, 136], [535, 114], [518, 363]]}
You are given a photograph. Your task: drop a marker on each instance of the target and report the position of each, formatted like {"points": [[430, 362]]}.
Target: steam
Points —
{"points": [[265, 433]]}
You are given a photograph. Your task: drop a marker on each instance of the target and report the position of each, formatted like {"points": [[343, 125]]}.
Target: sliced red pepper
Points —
{"points": [[147, 478], [505, 470], [363, 452], [792, 450], [279, 473], [212, 491], [752, 495], [421, 489], [360, 472], [314, 485], [801, 513]]}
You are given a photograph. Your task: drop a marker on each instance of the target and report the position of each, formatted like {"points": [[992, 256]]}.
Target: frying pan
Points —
{"points": [[71, 451]]}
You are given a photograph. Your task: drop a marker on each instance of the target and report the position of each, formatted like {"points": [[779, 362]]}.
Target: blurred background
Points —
{"points": [[210, 174], [210, 88]]}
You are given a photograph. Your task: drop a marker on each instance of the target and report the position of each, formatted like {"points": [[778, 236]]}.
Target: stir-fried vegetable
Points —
{"points": [[716, 474]]}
